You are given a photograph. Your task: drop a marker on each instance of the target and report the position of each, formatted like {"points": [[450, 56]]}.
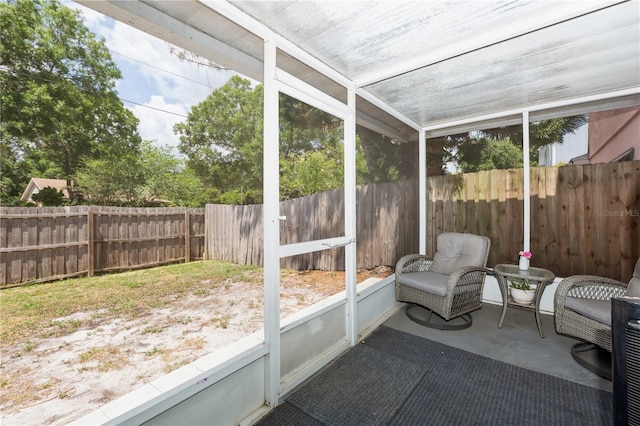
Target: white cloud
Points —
{"points": [[152, 76], [158, 126]]}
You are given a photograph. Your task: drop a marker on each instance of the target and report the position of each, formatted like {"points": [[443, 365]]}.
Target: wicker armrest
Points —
{"points": [[413, 263], [587, 287], [467, 275]]}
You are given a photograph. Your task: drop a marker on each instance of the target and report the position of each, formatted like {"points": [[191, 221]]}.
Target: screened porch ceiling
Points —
{"points": [[439, 66]]}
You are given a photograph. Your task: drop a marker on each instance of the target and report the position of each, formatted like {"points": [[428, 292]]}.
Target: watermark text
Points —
{"points": [[621, 213]]}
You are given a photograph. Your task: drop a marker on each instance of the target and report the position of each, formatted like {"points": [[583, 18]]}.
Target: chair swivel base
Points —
{"points": [[593, 358], [416, 313]]}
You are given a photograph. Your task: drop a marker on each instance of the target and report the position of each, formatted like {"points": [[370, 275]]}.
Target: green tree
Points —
{"points": [[111, 181], [489, 154], [222, 139], [466, 149], [309, 173], [50, 197], [58, 89], [12, 175], [168, 180], [150, 178], [386, 159], [541, 133]]}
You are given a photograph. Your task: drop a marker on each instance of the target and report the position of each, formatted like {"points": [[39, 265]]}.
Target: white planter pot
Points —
{"points": [[522, 296]]}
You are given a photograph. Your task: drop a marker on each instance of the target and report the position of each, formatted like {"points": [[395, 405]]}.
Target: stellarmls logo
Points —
{"points": [[620, 213]]}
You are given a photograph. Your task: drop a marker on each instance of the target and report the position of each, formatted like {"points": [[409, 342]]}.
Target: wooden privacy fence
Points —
{"points": [[584, 220], [42, 244], [386, 227]]}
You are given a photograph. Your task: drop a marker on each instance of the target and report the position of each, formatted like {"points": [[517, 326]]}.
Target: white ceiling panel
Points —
{"points": [[420, 64], [585, 56]]}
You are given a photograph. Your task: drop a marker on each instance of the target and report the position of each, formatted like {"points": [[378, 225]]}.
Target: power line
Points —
{"points": [[47, 80], [154, 108], [160, 69]]}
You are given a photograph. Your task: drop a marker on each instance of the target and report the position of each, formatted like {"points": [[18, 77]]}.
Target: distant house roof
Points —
{"points": [[580, 159], [37, 184]]}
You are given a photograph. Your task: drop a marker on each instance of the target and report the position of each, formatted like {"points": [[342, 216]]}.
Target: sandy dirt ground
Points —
{"points": [[60, 379]]}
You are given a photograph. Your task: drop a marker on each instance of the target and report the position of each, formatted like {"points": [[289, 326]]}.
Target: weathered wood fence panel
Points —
{"points": [[584, 219], [386, 226], [234, 233], [42, 244]]}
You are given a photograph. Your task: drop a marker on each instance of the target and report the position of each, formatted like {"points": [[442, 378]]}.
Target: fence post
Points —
{"points": [[90, 246], [187, 237]]}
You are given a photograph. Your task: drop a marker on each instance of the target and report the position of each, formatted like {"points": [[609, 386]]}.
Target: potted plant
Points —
{"points": [[521, 291]]}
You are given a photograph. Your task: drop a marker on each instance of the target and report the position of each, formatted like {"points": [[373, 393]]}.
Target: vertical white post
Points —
{"points": [[422, 192], [527, 185], [350, 216], [271, 244]]}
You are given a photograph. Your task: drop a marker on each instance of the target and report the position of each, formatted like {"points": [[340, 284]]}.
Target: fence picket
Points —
{"points": [[570, 232], [584, 219], [43, 244]]}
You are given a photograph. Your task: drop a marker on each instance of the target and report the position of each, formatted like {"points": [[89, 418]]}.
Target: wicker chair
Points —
{"points": [[449, 285], [582, 306]]}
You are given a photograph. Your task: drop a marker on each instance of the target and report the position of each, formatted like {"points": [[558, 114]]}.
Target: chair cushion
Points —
{"points": [[431, 282], [455, 250], [633, 289], [597, 310]]}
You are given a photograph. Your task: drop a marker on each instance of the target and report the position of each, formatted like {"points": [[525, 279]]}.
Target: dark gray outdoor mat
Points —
{"points": [[363, 387], [287, 415], [464, 388]]}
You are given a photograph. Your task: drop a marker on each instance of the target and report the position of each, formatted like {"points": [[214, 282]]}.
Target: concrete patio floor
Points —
{"points": [[517, 342]]}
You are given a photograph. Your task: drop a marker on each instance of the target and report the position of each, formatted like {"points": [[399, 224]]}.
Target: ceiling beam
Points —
{"points": [[384, 129], [145, 17], [256, 27], [388, 109], [564, 108]]}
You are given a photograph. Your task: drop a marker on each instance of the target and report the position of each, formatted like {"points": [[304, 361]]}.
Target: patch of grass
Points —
{"points": [[31, 310], [105, 358], [90, 355], [63, 327], [222, 322], [28, 347], [64, 394], [151, 329], [184, 320], [153, 352], [46, 385], [133, 285]]}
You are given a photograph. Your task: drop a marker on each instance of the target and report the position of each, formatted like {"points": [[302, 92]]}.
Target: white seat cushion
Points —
{"points": [[431, 282], [597, 310]]}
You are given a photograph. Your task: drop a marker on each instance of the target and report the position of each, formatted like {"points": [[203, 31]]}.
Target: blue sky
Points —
{"points": [[162, 88]]}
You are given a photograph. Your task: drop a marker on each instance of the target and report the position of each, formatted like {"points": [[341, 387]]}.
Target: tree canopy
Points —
{"points": [[222, 139], [62, 118], [49, 197], [59, 104], [151, 178], [499, 148]]}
